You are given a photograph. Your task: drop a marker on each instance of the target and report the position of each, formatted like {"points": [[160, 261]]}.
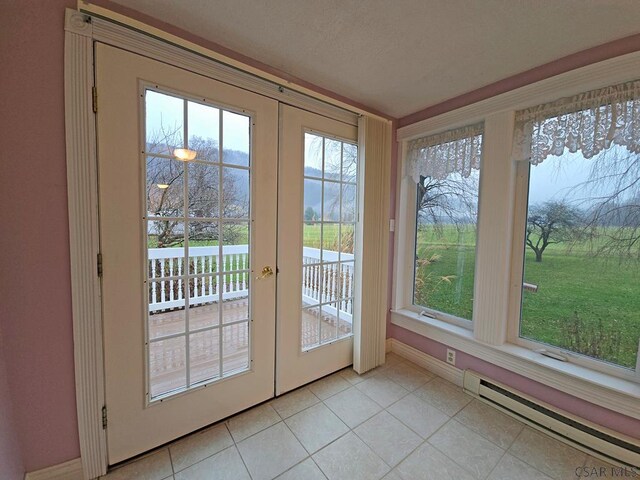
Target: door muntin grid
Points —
{"points": [[197, 242], [328, 228]]}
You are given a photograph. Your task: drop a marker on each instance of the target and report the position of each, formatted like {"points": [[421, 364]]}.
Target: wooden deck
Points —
{"points": [[168, 357]]}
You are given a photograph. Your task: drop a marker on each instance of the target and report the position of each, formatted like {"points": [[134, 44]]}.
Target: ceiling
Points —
{"points": [[400, 56]]}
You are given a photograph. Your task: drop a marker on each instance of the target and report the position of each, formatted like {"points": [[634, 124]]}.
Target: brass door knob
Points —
{"points": [[266, 272]]}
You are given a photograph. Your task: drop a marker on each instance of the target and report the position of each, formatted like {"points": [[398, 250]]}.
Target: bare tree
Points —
{"points": [[448, 201], [612, 203], [166, 195], [549, 223]]}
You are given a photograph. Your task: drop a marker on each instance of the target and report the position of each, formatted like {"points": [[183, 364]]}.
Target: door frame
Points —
{"points": [[82, 30], [295, 366]]}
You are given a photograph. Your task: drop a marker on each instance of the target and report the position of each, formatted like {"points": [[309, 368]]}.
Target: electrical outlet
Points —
{"points": [[451, 357]]}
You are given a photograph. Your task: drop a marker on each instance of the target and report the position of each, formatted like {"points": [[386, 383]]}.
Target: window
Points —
{"points": [[574, 162], [581, 284], [446, 167]]}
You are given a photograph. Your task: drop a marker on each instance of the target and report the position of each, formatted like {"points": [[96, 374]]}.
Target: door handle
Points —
{"points": [[266, 272]]}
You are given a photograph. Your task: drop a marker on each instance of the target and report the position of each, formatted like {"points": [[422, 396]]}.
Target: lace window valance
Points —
{"points": [[589, 122], [439, 155]]}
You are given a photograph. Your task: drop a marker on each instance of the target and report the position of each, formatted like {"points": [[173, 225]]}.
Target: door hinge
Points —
{"points": [[104, 417], [99, 264], [94, 95]]}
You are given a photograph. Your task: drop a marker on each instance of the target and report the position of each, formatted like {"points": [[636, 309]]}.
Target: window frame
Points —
{"points": [[517, 276], [495, 333], [466, 323]]}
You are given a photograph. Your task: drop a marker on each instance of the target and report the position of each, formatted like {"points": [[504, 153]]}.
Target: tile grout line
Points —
{"points": [[484, 436], [423, 441], [235, 445], [496, 465], [173, 470], [522, 459]]}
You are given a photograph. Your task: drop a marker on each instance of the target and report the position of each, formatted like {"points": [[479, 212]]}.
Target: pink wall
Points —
{"points": [[554, 397], [34, 254], [37, 329], [11, 465]]}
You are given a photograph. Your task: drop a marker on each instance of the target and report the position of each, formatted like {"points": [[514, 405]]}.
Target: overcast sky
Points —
{"points": [[565, 177], [203, 121]]}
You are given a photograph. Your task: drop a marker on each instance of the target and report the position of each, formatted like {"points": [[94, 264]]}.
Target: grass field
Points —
{"points": [[586, 304]]}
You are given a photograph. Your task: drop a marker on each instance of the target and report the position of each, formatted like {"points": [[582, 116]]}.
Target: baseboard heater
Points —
{"points": [[596, 440]]}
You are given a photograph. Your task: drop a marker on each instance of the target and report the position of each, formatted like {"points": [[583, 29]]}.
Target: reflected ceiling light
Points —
{"points": [[184, 154], [162, 186]]}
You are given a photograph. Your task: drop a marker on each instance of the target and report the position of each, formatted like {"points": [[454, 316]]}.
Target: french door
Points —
{"points": [[317, 221], [189, 330], [202, 186]]}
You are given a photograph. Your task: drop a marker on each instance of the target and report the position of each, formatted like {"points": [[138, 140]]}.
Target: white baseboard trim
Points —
{"points": [[387, 345], [71, 470], [440, 368]]}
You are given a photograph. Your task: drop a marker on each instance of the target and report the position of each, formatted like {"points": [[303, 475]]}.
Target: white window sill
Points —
{"points": [[610, 392]]}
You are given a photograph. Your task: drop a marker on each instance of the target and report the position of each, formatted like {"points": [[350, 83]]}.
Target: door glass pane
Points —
{"points": [[235, 348], [235, 138], [204, 355], [165, 187], [313, 155], [167, 366], [164, 122], [198, 265], [203, 190], [328, 226], [235, 192], [235, 264], [204, 131], [329, 323]]}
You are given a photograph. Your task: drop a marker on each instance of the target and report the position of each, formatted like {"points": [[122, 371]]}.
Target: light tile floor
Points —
{"points": [[396, 422]]}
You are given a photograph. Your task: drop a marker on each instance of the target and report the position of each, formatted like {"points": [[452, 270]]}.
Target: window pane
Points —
{"points": [[235, 193], [349, 163], [332, 159], [165, 187], [167, 365], [164, 121], [204, 130], [166, 308], [235, 348], [447, 217], [313, 155], [331, 210], [235, 138], [204, 355], [204, 184], [581, 289]]}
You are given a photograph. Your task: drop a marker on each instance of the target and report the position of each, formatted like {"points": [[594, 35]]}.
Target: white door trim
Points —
{"points": [[82, 194]]}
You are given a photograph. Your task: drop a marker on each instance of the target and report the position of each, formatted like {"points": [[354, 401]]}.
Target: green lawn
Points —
{"points": [[584, 303]]}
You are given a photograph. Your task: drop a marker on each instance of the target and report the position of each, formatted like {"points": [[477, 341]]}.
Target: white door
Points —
{"points": [[187, 175], [317, 221]]}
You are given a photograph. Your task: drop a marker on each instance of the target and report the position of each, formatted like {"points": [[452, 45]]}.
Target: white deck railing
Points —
{"points": [[333, 282]]}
